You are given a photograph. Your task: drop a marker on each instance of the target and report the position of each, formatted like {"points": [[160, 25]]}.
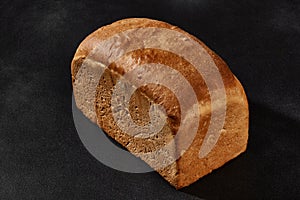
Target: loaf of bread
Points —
{"points": [[163, 95]]}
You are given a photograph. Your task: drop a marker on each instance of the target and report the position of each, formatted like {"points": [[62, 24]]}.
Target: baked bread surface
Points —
{"points": [[189, 167]]}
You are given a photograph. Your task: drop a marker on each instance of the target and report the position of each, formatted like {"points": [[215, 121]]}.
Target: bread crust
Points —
{"points": [[189, 167]]}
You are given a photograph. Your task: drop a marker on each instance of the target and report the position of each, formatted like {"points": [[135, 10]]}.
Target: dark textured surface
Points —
{"points": [[41, 156]]}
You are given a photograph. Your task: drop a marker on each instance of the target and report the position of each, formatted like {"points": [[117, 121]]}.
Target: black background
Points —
{"points": [[41, 155]]}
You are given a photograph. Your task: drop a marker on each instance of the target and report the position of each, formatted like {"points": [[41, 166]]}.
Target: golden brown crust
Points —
{"points": [[232, 142], [105, 32], [189, 167]]}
